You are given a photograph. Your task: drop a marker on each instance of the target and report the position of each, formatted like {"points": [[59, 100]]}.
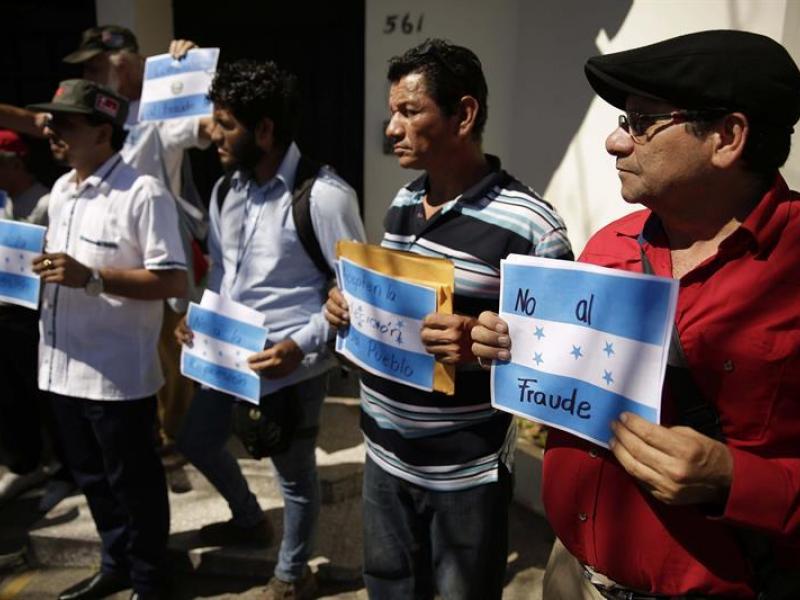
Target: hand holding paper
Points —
{"points": [[278, 360], [384, 300], [447, 337], [677, 465], [223, 335], [589, 343]]}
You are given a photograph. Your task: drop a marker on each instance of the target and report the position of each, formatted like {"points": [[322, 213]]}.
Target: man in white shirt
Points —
{"points": [[113, 253], [109, 55]]}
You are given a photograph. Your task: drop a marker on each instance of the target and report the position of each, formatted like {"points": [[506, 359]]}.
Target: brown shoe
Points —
{"points": [[227, 533], [301, 589]]}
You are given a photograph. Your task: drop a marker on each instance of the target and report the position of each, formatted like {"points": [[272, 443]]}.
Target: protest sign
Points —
{"points": [[226, 333], [389, 293], [175, 89], [588, 344], [20, 243]]}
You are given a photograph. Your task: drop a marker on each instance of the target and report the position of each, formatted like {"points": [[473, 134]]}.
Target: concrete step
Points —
{"points": [[67, 536]]}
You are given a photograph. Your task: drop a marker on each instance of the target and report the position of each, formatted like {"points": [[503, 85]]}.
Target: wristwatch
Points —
{"points": [[94, 286]]}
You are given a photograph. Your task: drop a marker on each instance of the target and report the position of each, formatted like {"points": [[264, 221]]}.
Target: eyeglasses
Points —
{"points": [[636, 124]]}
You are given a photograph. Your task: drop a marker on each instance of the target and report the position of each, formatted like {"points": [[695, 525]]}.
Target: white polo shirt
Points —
{"points": [[104, 347]]}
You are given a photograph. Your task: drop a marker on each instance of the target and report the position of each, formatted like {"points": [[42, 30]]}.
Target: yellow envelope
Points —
{"points": [[437, 273]]}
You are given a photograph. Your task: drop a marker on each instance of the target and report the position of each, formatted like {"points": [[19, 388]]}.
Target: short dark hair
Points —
{"points": [[118, 133], [253, 90], [766, 149], [451, 72]]}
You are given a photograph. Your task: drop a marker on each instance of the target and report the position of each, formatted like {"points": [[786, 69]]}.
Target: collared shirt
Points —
{"points": [[257, 258], [738, 322], [104, 347], [156, 147], [30, 206], [440, 442]]}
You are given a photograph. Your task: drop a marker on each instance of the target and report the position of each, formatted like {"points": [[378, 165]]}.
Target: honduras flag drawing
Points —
{"points": [[178, 88], [588, 343], [226, 333], [20, 243], [386, 317]]}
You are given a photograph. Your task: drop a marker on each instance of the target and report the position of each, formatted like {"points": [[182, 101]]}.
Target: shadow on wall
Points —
{"points": [[552, 96]]}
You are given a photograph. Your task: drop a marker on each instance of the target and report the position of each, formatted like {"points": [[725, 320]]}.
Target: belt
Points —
{"points": [[611, 590], [620, 593]]}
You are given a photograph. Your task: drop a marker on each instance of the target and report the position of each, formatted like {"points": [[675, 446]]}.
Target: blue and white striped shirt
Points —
{"points": [[441, 442]]}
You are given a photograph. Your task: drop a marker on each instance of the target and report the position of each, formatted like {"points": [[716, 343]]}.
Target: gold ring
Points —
{"points": [[47, 263]]}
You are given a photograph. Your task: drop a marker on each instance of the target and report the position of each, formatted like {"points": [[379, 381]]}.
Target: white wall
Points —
{"points": [[544, 120], [585, 187], [488, 28]]}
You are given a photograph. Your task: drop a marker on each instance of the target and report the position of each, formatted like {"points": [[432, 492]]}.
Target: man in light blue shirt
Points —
{"points": [[258, 259]]}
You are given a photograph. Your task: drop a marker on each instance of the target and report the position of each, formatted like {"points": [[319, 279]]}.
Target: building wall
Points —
{"points": [[544, 120]]}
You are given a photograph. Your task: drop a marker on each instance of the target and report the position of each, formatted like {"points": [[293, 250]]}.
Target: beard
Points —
{"points": [[244, 155]]}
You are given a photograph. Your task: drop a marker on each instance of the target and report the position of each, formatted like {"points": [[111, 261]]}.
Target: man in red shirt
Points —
{"points": [[670, 512]]}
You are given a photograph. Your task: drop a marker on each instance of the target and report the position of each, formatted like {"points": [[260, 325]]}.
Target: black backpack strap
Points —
{"points": [[222, 191], [693, 410], [306, 174]]}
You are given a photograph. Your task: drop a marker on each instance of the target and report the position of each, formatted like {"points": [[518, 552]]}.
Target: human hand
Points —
{"points": [[179, 48], [183, 333], [490, 339], [447, 337], [42, 120], [62, 269], [677, 465], [278, 360], [336, 309]]}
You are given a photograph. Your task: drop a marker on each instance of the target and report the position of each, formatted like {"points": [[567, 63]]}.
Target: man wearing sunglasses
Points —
{"points": [[707, 504]]}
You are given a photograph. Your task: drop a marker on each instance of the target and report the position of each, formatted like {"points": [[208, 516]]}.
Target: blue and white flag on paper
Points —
{"points": [[20, 243], [386, 317], [225, 334], [175, 89], [588, 343]]}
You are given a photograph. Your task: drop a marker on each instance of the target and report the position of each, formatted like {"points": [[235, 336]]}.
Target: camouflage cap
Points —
{"points": [[84, 97], [105, 38]]}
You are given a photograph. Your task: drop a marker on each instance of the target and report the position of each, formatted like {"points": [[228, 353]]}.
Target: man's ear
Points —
{"points": [[730, 139], [264, 134], [467, 113], [104, 133]]}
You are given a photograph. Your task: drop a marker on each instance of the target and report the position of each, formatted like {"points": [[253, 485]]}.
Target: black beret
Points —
{"points": [[737, 70]]}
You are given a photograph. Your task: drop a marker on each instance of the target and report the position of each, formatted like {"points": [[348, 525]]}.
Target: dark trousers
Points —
{"points": [[109, 448], [21, 404], [418, 542]]}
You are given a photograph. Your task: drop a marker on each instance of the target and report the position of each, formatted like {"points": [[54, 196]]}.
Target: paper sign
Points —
{"points": [[389, 293], [178, 88], [20, 243], [385, 320], [226, 333], [588, 343]]}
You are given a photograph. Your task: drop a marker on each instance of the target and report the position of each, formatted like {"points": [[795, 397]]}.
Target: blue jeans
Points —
{"points": [[206, 429], [418, 541]]}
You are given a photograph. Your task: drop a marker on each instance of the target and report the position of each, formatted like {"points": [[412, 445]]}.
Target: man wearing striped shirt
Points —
{"points": [[437, 481]]}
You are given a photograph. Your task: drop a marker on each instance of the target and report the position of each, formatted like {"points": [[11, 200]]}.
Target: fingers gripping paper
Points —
{"points": [[588, 344], [389, 293]]}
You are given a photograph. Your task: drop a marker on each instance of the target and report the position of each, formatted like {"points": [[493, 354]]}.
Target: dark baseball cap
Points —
{"points": [[733, 70], [96, 40], [84, 97]]}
